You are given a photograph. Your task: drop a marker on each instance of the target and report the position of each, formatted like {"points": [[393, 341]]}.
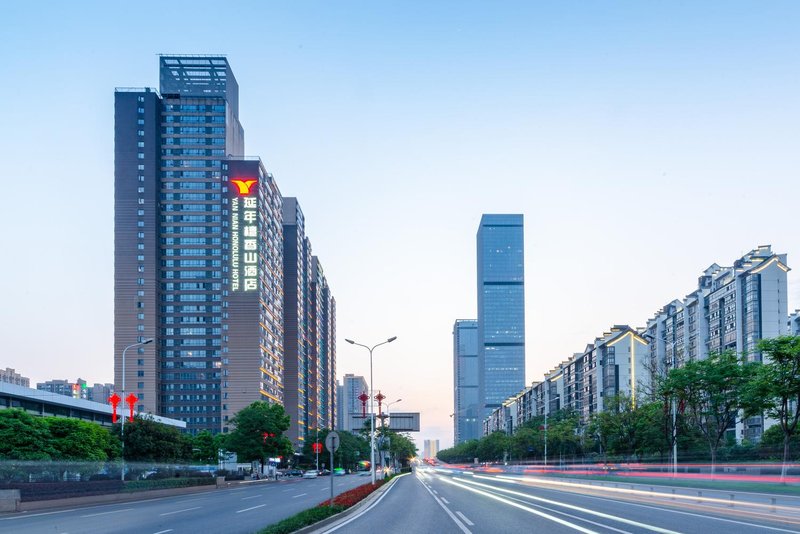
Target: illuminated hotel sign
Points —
{"points": [[244, 235]]}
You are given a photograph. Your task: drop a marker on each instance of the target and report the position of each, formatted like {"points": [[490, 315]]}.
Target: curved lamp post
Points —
{"points": [[122, 423], [371, 406]]}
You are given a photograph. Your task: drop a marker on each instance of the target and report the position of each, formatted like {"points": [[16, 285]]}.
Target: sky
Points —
{"points": [[641, 140]]}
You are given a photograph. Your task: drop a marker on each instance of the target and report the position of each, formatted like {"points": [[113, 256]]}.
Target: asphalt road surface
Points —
{"points": [[440, 501], [243, 509]]}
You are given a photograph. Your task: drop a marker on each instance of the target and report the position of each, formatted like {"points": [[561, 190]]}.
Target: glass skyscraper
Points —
{"points": [[467, 415], [501, 309]]}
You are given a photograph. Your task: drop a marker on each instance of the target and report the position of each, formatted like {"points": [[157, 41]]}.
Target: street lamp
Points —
{"points": [[371, 406], [388, 414], [674, 404], [122, 424]]}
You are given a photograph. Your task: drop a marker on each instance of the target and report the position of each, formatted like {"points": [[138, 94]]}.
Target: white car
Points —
{"points": [[311, 473]]}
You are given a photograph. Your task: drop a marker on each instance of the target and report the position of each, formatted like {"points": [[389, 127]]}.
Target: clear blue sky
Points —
{"points": [[642, 140]]}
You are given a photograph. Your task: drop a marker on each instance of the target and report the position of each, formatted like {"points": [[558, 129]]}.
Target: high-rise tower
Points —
{"points": [[198, 250], [467, 414], [501, 309]]}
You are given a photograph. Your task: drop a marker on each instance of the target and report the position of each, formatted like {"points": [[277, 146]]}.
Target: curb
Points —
{"points": [[319, 526]]}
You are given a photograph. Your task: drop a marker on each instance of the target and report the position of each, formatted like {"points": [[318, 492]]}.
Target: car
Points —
{"points": [[323, 472], [311, 473], [339, 472]]}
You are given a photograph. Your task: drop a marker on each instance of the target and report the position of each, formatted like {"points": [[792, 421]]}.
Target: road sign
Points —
{"points": [[332, 441]]}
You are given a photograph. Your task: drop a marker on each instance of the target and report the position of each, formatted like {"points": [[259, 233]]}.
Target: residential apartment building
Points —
{"points": [[467, 414], [615, 363], [731, 308], [199, 253], [794, 323], [10, 376], [501, 309]]}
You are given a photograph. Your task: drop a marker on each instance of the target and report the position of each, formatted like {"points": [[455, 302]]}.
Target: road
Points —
{"points": [[243, 509], [443, 501]]}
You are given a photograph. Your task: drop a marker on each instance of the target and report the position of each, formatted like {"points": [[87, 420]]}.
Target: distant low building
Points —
{"points": [[47, 403], [10, 376], [430, 448]]}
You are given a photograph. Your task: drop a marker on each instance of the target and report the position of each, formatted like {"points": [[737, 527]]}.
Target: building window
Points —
{"points": [[140, 361], [140, 122], [140, 155], [140, 167], [140, 133]]}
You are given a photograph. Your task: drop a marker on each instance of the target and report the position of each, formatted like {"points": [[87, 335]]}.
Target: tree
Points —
{"points": [[711, 392], [205, 447], [73, 439], [563, 433], [258, 433], [352, 449], [149, 441], [24, 437], [492, 447], [775, 388]]}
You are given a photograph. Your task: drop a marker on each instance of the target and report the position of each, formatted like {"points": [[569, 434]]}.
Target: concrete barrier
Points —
{"points": [[9, 500]]}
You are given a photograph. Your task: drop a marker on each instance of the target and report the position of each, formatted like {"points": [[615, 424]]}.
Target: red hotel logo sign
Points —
{"points": [[244, 185]]}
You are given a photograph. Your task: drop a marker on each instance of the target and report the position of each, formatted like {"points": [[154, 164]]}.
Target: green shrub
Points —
{"points": [[303, 519]]}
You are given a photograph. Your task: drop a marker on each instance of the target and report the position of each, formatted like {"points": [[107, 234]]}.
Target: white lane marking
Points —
{"points": [[25, 515], [253, 496], [576, 508], [179, 511], [164, 531], [251, 508], [444, 500], [284, 491], [367, 509], [436, 492], [458, 522], [692, 514], [523, 507], [463, 517], [298, 495], [530, 481], [106, 513], [572, 516]]}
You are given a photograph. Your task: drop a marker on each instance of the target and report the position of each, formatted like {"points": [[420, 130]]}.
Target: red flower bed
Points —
{"points": [[353, 496]]}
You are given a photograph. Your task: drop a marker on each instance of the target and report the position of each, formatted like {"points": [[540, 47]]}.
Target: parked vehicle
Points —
{"points": [[311, 473]]}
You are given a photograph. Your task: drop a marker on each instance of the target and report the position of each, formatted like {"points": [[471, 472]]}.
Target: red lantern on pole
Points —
{"points": [[363, 398], [114, 400], [131, 400], [379, 397]]}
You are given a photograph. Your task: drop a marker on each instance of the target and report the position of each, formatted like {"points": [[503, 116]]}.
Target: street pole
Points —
{"points": [[674, 423], [371, 405], [388, 426], [122, 424], [316, 448], [546, 409], [673, 402]]}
